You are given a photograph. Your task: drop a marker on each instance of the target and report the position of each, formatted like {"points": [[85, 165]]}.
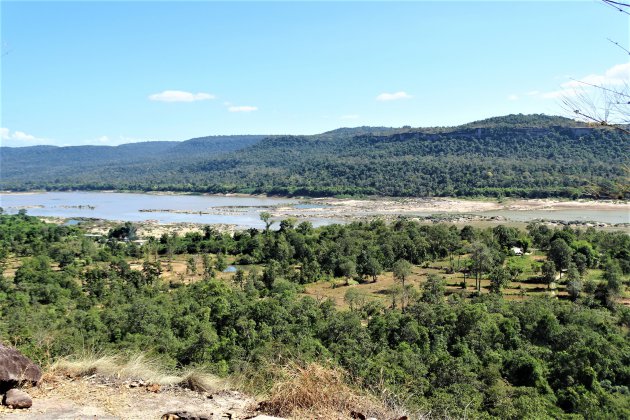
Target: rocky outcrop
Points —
{"points": [[185, 415], [15, 398], [16, 369]]}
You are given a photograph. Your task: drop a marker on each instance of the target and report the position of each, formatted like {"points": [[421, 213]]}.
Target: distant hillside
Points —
{"points": [[515, 155], [360, 131], [524, 121], [24, 164], [215, 144]]}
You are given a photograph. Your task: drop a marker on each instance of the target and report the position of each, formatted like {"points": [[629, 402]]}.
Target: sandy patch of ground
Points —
{"points": [[343, 208], [70, 398], [429, 210], [145, 228], [549, 204]]}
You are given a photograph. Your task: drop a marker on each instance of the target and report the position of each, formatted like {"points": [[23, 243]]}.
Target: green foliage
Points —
{"points": [[549, 272], [433, 290], [124, 232], [532, 156], [499, 279], [484, 357]]}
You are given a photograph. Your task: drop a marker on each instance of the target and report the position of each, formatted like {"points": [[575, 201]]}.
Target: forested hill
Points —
{"points": [[73, 161], [515, 155]]}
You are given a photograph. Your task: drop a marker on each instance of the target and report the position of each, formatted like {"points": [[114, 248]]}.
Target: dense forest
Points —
{"points": [[515, 155], [466, 353]]}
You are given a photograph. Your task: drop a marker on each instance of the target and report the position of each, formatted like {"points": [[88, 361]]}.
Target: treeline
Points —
{"points": [[515, 156], [483, 357]]}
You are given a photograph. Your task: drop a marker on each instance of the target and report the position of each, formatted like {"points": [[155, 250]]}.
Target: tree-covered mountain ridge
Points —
{"points": [[514, 155]]}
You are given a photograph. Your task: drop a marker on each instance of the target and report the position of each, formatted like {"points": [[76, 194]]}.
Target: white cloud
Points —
{"points": [[614, 77], [561, 93], [349, 117], [242, 108], [393, 96], [512, 97], [180, 96], [20, 137]]}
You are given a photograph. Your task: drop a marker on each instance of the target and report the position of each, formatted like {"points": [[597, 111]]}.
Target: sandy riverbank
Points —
{"points": [[335, 208], [145, 229], [429, 210]]}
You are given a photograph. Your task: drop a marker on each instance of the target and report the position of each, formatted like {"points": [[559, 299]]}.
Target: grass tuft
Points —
{"points": [[201, 381], [136, 367], [314, 390]]}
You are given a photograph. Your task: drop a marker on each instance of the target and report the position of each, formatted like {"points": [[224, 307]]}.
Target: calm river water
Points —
{"points": [[241, 211]]}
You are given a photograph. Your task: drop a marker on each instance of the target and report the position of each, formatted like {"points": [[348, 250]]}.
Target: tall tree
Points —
{"points": [[499, 279], [482, 261], [265, 216], [402, 270], [560, 253], [433, 289], [549, 272]]}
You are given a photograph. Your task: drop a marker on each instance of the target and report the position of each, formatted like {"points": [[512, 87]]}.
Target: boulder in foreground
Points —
{"points": [[16, 369], [15, 398]]}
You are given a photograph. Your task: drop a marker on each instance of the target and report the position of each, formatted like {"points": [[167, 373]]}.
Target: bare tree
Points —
{"points": [[607, 106], [597, 103]]}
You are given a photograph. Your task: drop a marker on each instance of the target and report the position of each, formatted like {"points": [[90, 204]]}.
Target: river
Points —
{"points": [[242, 211], [205, 209]]}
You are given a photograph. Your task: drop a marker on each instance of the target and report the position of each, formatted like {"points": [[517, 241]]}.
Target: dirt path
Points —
{"points": [[94, 398]]}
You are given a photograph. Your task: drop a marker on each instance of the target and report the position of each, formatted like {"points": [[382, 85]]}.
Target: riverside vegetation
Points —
{"points": [[436, 350]]}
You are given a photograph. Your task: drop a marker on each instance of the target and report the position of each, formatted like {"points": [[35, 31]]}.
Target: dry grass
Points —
{"points": [[201, 381], [139, 368], [316, 391]]}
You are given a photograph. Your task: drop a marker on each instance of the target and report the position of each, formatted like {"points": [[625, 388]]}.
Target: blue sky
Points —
{"points": [[116, 72]]}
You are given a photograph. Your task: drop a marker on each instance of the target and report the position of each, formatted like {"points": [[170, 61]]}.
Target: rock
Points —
{"points": [[16, 369], [15, 398], [184, 415], [154, 388], [265, 417]]}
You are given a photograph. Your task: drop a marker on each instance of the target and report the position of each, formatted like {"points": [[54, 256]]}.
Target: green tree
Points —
{"points": [[128, 231], [191, 265], [433, 289], [402, 271], [549, 272], [348, 269], [208, 269], [265, 216], [369, 265], [499, 279], [355, 298], [482, 261], [287, 224], [239, 278], [221, 263], [151, 271], [609, 291], [560, 253], [272, 272]]}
